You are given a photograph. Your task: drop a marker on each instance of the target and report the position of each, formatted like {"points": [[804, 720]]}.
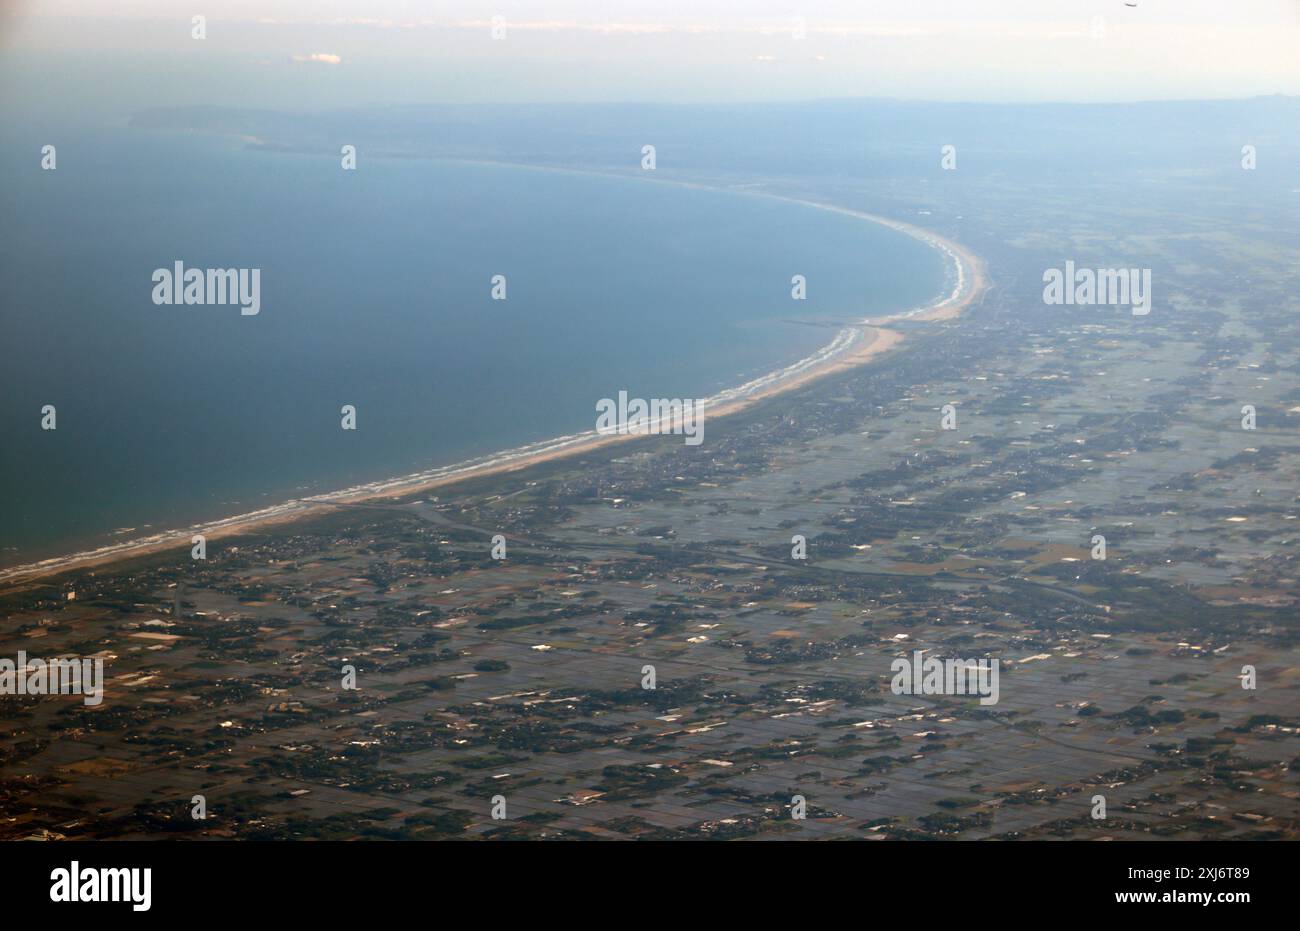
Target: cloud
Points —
{"points": [[324, 58]]}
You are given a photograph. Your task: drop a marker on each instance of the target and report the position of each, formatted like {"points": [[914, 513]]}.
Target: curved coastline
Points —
{"points": [[853, 345]]}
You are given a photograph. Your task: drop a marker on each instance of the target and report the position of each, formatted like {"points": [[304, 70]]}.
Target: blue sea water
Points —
{"points": [[375, 292]]}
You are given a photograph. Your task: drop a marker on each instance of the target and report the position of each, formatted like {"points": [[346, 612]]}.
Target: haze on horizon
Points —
{"points": [[71, 58]]}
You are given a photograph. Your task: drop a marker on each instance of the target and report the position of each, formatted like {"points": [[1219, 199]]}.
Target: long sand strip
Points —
{"points": [[853, 345]]}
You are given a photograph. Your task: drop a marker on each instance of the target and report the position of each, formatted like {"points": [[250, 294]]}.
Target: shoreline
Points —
{"points": [[853, 345]]}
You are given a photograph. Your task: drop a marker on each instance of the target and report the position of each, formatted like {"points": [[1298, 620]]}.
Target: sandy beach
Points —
{"points": [[854, 345]]}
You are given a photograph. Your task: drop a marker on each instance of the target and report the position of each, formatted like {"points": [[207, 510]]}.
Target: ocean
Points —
{"points": [[375, 291]]}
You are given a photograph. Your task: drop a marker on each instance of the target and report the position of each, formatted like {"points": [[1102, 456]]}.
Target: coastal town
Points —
{"points": [[656, 640]]}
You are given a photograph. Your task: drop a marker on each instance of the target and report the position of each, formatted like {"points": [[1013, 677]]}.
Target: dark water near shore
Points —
{"points": [[374, 292]]}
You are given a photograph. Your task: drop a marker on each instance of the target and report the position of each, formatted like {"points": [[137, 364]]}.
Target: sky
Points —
{"points": [[105, 58]]}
